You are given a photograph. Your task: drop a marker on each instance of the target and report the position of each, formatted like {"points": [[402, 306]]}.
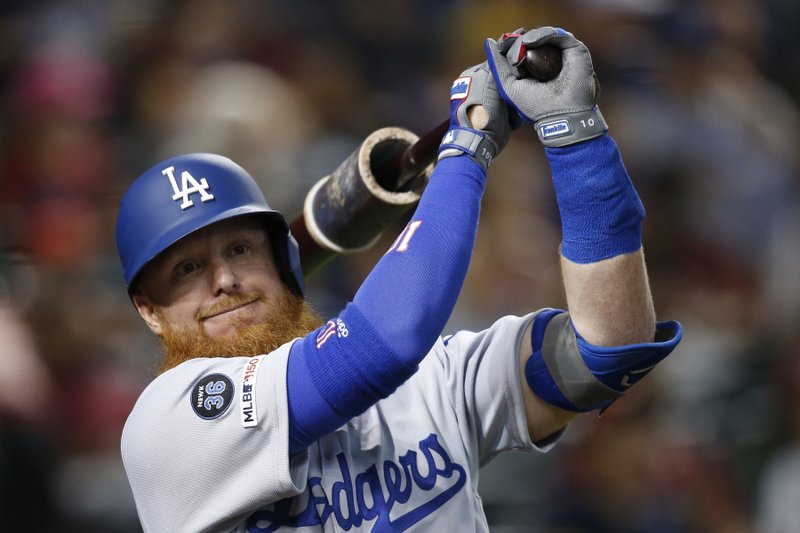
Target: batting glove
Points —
{"points": [[563, 110], [484, 139]]}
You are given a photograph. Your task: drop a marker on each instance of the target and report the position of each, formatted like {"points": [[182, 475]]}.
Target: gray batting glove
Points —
{"points": [[563, 110], [479, 124]]}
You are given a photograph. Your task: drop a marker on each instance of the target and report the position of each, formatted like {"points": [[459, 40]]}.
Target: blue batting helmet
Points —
{"points": [[189, 192]]}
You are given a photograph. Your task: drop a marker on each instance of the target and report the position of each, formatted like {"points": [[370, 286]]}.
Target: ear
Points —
{"points": [[147, 311]]}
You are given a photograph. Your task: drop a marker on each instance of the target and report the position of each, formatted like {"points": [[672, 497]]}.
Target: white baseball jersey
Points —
{"points": [[206, 447]]}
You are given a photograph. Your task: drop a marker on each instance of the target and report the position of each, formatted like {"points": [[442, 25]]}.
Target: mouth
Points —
{"points": [[231, 310]]}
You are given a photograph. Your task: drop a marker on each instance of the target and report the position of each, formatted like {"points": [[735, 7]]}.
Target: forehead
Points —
{"points": [[250, 226]]}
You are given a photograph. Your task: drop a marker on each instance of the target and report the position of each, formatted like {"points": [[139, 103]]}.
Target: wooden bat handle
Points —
{"points": [[399, 173]]}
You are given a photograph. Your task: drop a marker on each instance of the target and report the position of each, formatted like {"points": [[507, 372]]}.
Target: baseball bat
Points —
{"points": [[375, 186]]}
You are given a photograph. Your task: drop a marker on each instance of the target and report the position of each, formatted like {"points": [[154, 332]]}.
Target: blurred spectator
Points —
{"points": [[27, 460], [778, 485]]}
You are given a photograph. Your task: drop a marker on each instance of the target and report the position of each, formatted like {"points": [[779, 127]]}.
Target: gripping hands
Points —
{"points": [[563, 110], [479, 125]]}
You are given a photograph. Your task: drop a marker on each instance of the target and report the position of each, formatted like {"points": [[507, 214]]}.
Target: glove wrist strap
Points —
{"points": [[474, 143], [570, 128]]}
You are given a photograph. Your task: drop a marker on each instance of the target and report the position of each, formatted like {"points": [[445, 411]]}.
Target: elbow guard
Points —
{"points": [[572, 374]]}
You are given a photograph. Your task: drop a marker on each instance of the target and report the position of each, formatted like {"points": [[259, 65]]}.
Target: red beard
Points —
{"points": [[290, 317]]}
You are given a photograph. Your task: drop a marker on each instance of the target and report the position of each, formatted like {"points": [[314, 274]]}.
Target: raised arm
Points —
{"points": [[399, 311], [585, 359]]}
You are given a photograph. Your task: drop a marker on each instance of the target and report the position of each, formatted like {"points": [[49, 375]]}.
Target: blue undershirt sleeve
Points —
{"points": [[410, 294], [376, 343]]}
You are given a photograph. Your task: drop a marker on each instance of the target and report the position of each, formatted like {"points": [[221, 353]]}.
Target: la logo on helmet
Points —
{"points": [[189, 185]]}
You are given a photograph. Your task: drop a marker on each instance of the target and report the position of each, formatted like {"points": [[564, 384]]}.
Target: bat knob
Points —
{"points": [[543, 62]]}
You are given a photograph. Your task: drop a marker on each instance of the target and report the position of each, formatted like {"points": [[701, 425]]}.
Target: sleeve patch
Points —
{"points": [[211, 396], [335, 327]]}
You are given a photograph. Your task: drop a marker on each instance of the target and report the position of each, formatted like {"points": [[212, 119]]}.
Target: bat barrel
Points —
{"points": [[347, 211]]}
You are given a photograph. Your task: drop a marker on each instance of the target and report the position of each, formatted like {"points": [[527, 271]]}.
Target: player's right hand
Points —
{"points": [[563, 110], [479, 124]]}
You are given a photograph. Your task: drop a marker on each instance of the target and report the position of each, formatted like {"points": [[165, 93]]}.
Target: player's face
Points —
{"points": [[215, 281]]}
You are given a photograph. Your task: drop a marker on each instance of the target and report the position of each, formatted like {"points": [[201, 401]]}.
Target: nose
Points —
{"points": [[224, 278]]}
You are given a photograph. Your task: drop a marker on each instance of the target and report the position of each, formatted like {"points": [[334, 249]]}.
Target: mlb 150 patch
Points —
{"points": [[211, 396]]}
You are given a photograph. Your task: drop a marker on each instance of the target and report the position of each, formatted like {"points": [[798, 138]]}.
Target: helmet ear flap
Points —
{"points": [[286, 254], [186, 193]]}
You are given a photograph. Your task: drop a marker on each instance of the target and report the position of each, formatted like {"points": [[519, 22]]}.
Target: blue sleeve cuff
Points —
{"points": [[350, 364]]}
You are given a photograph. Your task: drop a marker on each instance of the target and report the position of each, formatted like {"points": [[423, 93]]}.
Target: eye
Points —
{"points": [[186, 268], [240, 248]]}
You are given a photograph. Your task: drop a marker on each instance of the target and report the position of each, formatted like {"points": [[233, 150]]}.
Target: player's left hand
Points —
{"points": [[479, 123], [563, 110]]}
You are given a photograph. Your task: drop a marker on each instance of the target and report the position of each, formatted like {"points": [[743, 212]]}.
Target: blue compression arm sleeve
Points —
{"points": [[342, 368]]}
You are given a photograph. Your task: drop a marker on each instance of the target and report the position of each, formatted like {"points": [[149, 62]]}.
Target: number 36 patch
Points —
{"points": [[212, 395]]}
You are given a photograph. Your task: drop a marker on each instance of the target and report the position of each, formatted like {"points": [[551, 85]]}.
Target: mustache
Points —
{"points": [[229, 303], [290, 318]]}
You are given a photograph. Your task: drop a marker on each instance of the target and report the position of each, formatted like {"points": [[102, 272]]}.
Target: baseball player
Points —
{"points": [[264, 418]]}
